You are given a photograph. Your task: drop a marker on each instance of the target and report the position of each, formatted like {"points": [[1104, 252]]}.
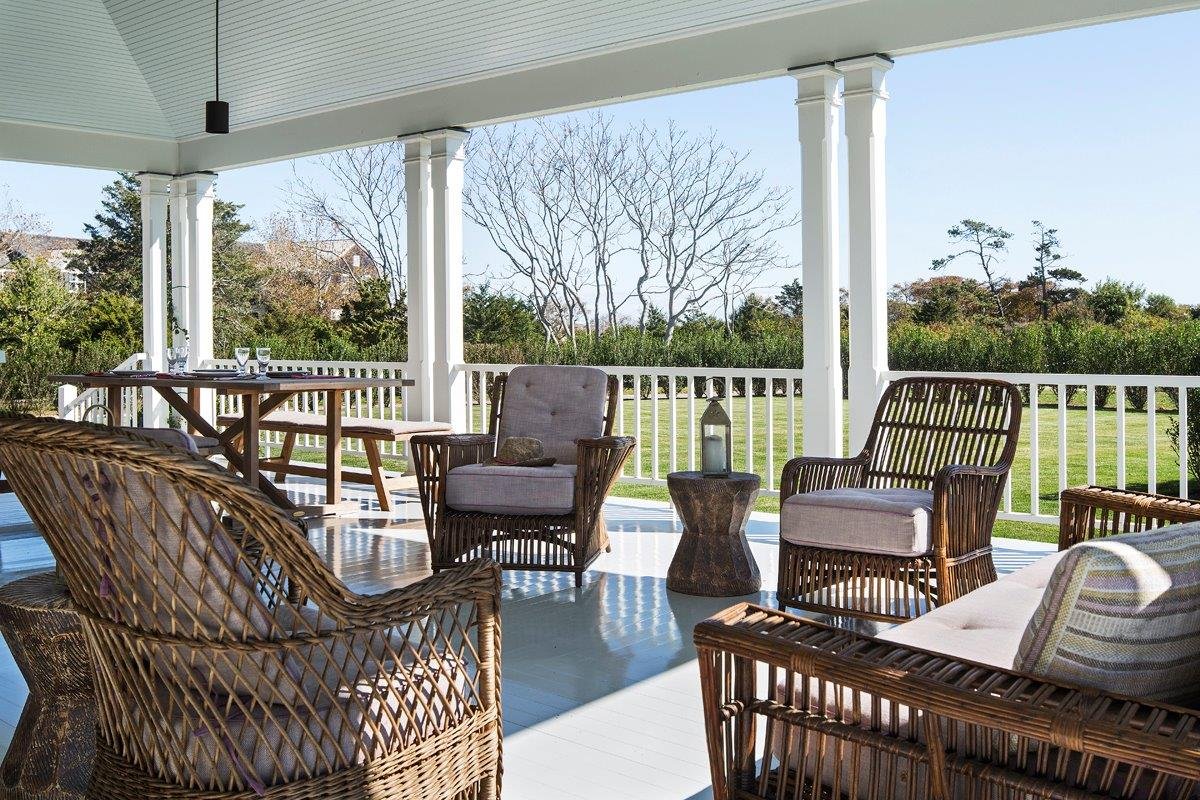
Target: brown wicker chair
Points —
{"points": [[841, 715], [951, 439], [214, 679], [566, 538]]}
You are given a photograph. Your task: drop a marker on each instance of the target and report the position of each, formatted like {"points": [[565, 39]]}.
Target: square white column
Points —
{"points": [[179, 253], [418, 190], [154, 198], [818, 107], [192, 270], [447, 155], [865, 94]]}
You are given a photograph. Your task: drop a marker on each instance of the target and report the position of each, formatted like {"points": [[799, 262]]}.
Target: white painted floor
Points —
{"points": [[600, 691]]}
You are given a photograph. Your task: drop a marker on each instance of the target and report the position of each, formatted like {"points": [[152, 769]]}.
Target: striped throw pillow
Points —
{"points": [[1122, 614]]}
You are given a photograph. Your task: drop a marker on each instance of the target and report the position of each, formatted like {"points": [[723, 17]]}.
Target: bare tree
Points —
{"points": [[365, 204], [704, 224], [519, 190], [17, 226], [593, 160]]}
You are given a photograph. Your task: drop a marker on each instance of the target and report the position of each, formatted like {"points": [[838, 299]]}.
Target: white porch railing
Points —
{"points": [[91, 404], [1074, 431], [376, 403]]}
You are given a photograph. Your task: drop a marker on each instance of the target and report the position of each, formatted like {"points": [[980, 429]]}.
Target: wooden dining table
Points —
{"points": [[260, 395]]}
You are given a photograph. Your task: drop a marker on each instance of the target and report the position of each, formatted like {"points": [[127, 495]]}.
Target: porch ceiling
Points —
{"points": [[121, 83]]}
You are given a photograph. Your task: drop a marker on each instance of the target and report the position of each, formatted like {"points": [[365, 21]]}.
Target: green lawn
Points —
{"points": [[1136, 440]]}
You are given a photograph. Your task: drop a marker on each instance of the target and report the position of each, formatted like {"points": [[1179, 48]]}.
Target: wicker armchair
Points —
{"points": [[939, 450], [842, 715], [541, 518], [229, 661]]}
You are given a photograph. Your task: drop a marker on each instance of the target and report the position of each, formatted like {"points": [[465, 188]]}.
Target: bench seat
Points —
{"points": [[370, 431]]}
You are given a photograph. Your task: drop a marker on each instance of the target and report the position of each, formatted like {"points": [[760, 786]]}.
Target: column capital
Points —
{"points": [[154, 182], [866, 75], [449, 143], [817, 83], [416, 148]]}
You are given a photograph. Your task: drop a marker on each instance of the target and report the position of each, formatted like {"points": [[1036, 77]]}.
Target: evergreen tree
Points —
{"points": [[1051, 281], [372, 317]]}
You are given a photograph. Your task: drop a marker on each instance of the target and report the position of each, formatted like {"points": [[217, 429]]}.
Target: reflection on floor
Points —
{"points": [[601, 691]]}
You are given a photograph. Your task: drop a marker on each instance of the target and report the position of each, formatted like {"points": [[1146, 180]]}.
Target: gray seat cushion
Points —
{"points": [[555, 405], [508, 490], [886, 521]]}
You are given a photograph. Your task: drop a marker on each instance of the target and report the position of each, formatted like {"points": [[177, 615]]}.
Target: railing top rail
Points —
{"points": [[1071, 378], [664, 372]]}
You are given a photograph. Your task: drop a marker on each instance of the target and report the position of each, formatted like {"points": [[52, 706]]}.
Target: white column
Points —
{"points": [[818, 106], [418, 189], [154, 196], [866, 129], [447, 154], [179, 253], [197, 270]]}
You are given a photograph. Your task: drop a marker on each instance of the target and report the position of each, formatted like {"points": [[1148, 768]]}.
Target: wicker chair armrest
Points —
{"points": [[433, 456], [736, 643], [477, 583], [813, 473], [1092, 512], [599, 462]]}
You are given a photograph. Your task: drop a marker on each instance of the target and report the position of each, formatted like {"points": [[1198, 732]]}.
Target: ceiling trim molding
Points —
{"points": [[75, 147]]}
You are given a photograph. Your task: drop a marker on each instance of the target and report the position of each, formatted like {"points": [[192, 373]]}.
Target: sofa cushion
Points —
{"points": [[557, 405], [497, 489], [1122, 614], [886, 521], [984, 626]]}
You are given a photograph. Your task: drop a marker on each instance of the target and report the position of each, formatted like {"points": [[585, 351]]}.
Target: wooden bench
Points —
{"points": [[371, 431]]}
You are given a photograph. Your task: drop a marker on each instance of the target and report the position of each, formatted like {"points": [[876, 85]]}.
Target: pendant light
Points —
{"points": [[216, 112]]}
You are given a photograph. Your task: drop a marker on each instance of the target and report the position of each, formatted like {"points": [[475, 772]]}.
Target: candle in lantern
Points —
{"points": [[715, 438]]}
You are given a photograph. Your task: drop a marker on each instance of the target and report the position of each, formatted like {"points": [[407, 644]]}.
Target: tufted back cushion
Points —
{"points": [[557, 405]]}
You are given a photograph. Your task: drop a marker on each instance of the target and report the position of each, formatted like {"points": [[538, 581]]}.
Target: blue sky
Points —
{"points": [[1093, 131]]}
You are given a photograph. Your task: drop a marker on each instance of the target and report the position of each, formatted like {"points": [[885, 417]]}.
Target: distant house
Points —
{"points": [[328, 264], [57, 251]]}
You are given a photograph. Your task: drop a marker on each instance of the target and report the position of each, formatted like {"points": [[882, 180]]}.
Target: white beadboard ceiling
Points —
{"points": [[122, 83], [281, 58]]}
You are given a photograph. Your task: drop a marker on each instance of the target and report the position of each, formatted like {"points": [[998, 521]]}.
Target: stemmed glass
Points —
{"points": [[242, 356], [263, 356], [181, 357], [171, 360]]}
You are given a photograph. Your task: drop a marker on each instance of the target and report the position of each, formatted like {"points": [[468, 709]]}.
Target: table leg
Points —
{"points": [[333, 446], [116, 395], [250, 415], [194, 402]]}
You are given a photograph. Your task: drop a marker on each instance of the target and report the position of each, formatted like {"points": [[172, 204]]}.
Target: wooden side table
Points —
{"points": [[54, 745], [713, 558]]}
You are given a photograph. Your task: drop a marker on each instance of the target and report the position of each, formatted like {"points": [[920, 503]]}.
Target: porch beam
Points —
{"points": [[155, 189], [418, 188], [818, 106], [447, 156], [865, 94]]}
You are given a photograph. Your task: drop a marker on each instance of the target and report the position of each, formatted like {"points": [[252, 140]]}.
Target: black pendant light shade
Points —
{"points": [[216, 116], [216, 112]]}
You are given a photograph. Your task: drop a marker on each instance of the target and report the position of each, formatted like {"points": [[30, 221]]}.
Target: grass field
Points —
{"points": [[1136, 445]]}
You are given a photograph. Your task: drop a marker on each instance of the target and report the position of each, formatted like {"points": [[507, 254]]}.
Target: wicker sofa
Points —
{"points": [[932, 708]]}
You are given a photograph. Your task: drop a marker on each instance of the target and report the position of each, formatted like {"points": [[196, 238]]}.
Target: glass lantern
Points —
{"points": [[716, 437]]}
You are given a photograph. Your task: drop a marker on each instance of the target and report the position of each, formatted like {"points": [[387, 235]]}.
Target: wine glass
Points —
{"points": [[171, 360], [263, 356], [181, 357], [242, 356]]}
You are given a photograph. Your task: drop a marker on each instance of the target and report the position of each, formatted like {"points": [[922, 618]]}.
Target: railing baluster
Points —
{"points": [[654, 432], [790, 383], [1151, 439], [1062, 437], [1034, 461], [691, 414], [1120, 435], [769, 397], [673, 421], [1184, 467], [1091, 434], [749, 390], [637, 425]]}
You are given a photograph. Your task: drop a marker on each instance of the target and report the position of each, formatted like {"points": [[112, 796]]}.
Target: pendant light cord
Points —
{"points": [[217, 48]]}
